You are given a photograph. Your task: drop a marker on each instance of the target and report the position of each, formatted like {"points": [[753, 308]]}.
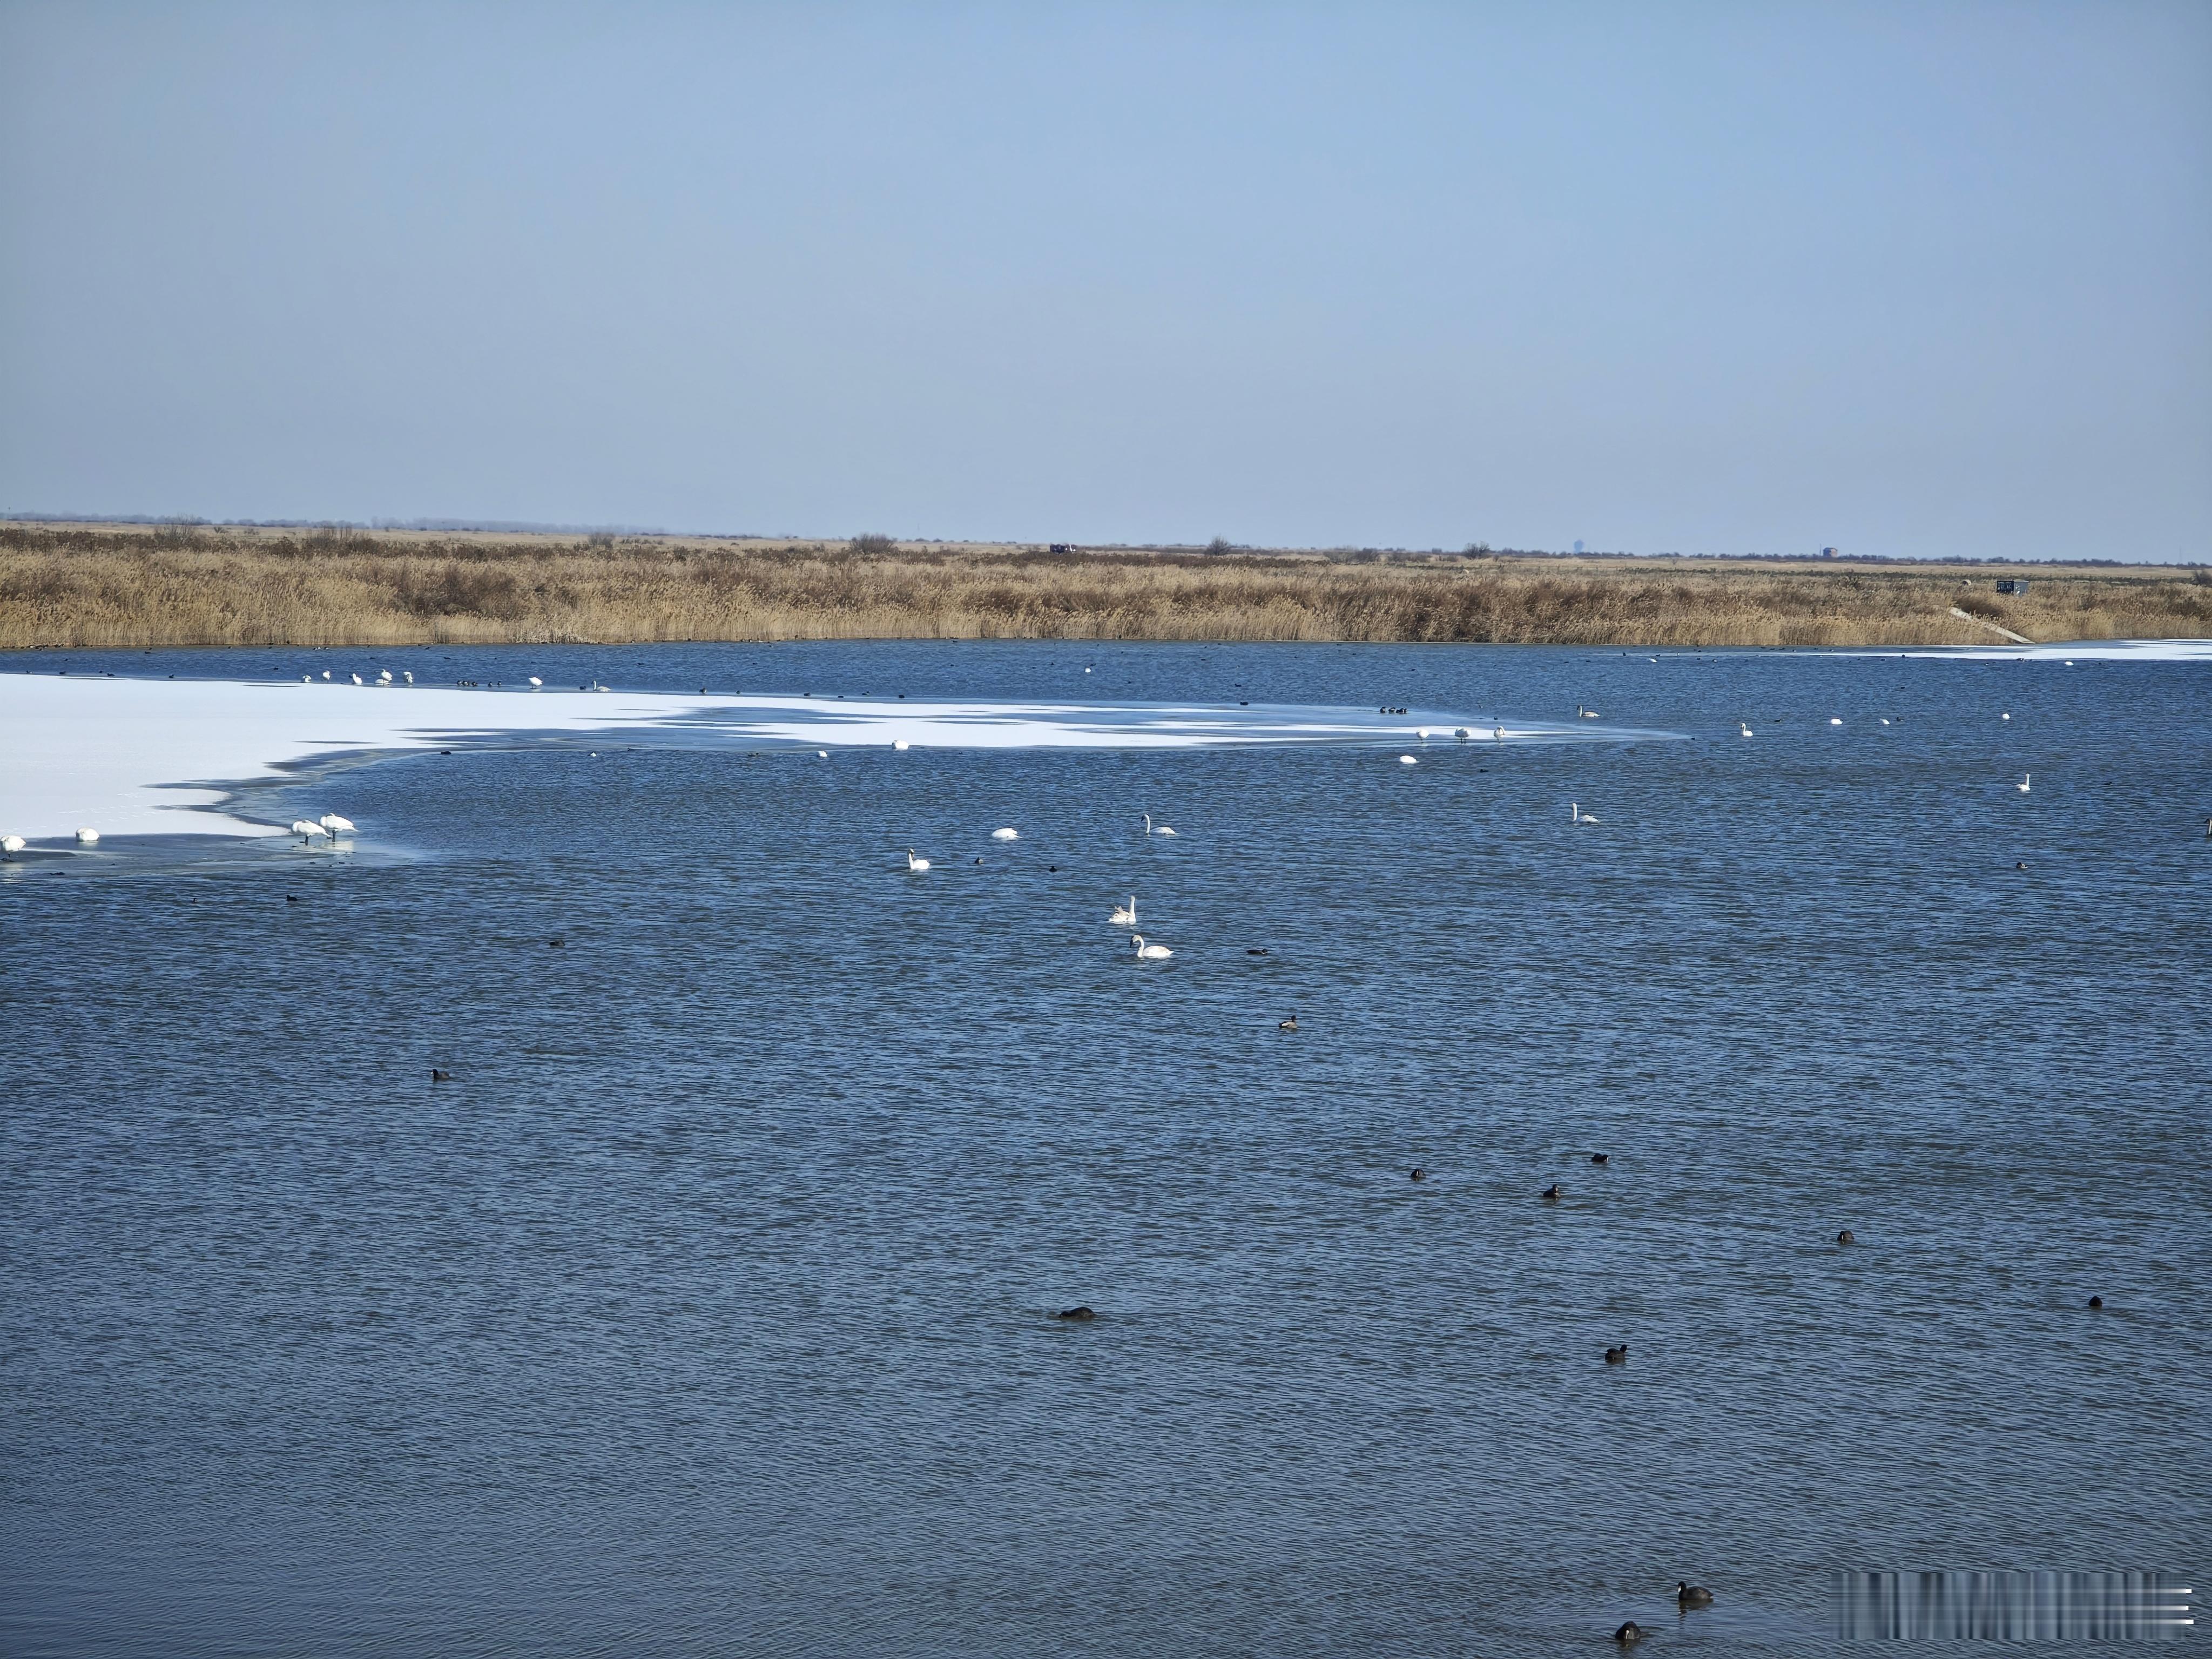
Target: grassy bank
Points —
{"points": [[106, 585]]}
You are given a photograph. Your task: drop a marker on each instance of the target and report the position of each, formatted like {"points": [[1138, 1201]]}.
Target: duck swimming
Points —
{"points": [[1551, 1193], [1692, 1596], [1617, 1356]]}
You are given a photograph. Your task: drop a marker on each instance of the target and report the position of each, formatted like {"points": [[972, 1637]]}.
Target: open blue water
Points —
{"points": [[709, 1309]]}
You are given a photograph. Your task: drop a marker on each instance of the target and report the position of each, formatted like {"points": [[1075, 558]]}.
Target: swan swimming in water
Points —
{"points": [[914, 863], [1408, 760], [1741, 727], [1150, 831], [1126, 918], [1005, 834], [535, 682], [1576, 815], [2022, 785], [11, 845], [898, 742], [1149, 953]]}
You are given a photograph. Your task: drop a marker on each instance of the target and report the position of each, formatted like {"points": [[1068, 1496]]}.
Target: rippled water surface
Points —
{"points": [[709, 1308]]}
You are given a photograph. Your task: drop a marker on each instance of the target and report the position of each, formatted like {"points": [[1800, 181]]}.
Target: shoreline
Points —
{"points": [[107, 587]]}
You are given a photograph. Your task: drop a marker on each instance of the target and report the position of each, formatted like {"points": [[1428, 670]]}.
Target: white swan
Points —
{"points": [[307, 831], [1834, 721], [1498, 732], [385, 678], [88, 837], [2004, 717], [1408, 760], [335, 824], [535, 682], [1460, 732], [2022, 785], [307, 679], [326, 673], [1161, 830], [1423, 734], [1576, 815], [410, 675], [898, 742], [822, 754], [1125, 918], [1149, 953], [1741, 727], [356, 678], [1005, 834], [11, 845], [914, 863]]}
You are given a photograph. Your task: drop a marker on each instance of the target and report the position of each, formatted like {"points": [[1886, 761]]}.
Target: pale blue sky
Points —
{"points": [[1920, 279]]}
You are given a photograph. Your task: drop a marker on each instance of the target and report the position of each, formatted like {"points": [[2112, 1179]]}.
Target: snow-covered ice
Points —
{"points": [[141, 757]]}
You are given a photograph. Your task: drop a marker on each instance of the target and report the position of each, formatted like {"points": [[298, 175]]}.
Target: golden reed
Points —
{"points": [[107, 585]]}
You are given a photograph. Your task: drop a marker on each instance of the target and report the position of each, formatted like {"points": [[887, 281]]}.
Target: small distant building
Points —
{"points": [[2012, 584], [1827, 552], [1063, 547]]}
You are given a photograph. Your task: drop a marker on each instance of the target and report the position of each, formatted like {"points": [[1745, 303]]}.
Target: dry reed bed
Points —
{"points": [[114, 586]]}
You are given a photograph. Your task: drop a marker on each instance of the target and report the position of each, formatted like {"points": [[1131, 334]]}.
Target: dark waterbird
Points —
{"points": [[1601, 1157], [1253, 951], [1076, 1314], [437, 1076], [1551, 1193], [2096, 1301], [1290, 1024], [1692, 1596], [1617, 1356], [1629, 1632], [1418, 1175], [1846, 1236]]}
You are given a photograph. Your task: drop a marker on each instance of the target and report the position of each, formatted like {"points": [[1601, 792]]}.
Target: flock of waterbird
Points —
{"points": [[330, 827], [1123, 915]]}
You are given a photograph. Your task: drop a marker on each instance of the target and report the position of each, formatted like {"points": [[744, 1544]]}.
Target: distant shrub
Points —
{"points": [[874, 546]]}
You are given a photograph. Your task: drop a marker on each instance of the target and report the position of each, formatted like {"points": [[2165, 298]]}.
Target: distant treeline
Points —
{"points": [[603, 533]]}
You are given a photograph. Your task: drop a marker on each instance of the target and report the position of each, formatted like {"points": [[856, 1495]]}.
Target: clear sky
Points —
{"points": [[1915, 279]]}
